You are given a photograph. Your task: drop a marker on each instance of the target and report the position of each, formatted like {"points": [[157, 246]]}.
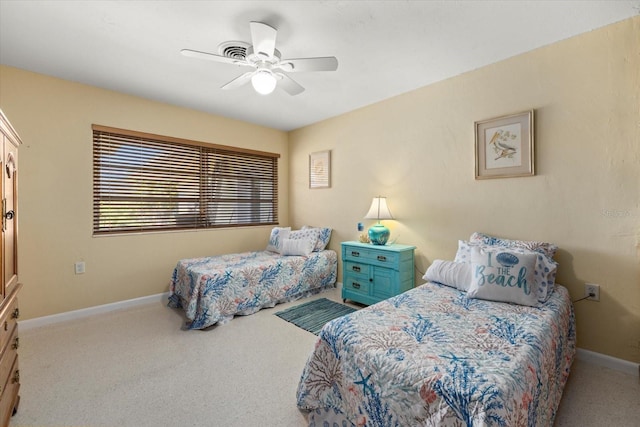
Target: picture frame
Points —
{"points": [[320, 169], [505, 146]]}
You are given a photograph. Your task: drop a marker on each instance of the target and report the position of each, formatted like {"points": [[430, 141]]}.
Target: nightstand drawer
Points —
{"points": [[356, 284], [372, 256], [356, 268]]}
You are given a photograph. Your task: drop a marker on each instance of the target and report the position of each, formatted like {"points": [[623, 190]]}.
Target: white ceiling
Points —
{"points": [[384, 48]]}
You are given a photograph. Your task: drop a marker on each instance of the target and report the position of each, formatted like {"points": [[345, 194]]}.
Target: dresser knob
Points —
{"points": [[16, 376], [6, 325], [16, 313], [16, 343]]}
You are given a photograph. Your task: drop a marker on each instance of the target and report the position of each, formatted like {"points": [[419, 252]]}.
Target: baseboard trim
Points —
{"points": [[608, 362], [581, 354], [90, 311]]}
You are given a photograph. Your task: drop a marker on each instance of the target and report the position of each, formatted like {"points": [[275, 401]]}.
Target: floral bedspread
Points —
{"points": [[433, 357], [212, 290]]}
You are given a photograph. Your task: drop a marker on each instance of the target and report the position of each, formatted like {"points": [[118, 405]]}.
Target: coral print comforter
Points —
{"points": [[434, 357], [212, 290]]}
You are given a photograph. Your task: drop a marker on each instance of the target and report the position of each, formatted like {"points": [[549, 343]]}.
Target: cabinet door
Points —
{"points": [[383, 280], [9, 220]]}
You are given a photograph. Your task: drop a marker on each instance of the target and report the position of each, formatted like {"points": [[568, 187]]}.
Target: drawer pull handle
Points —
{"points": [[16, 313], [16, 343], [355, 285], [355, 253], [356, 268], [16, 376], [6, 325], [382, 258]]}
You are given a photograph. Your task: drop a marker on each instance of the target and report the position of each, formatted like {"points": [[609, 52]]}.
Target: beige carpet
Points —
{"points": [[136, 367]]}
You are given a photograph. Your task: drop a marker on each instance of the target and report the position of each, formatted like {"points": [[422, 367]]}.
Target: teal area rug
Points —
{"points": [[313, 315]]}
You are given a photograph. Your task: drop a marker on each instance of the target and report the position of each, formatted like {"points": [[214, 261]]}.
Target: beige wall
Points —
{"points": [[53, 118], [418, 150]]}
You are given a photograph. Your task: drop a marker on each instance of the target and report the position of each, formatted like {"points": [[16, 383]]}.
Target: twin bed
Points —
{"points": [[442, 355], [488, 340], [433, 357], [213, 290]]}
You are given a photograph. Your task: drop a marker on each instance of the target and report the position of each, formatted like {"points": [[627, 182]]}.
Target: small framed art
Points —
{"points": [[505, 146], [320, 169]]}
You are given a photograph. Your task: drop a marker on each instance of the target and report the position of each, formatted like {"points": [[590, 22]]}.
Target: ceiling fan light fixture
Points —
{"points": [[264, 82], [268, 69]]}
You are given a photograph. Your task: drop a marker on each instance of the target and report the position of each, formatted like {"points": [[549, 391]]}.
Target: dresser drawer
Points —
{"points": [[372, 256], [354, 283], [8, 322], [9, 398], [7, 358], [357, 269]]}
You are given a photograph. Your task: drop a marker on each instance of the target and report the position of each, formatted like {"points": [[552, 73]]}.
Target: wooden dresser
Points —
{"points": [[9, 312], [373, 273]]}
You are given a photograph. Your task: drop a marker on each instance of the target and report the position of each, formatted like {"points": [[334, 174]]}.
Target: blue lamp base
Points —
{"points": [[379, 234]]}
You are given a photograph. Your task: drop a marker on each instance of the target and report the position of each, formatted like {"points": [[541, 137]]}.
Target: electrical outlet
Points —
{"points": [[592, 289], [79, 267]]}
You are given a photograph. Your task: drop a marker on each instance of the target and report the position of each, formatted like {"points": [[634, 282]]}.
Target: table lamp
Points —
{"points": [[379, 234]]}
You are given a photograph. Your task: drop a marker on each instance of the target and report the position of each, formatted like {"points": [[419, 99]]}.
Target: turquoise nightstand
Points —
{"points": [[372, 273]]}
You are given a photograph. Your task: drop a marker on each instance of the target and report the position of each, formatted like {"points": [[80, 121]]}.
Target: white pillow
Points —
{"points": [[500, 275], [449, 273], [302, 247], [277, 235]]}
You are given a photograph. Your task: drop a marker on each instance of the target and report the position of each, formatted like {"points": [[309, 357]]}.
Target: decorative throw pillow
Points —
{"points": [[312, 234], [548, 249], [277, 234], [302, 247], [544, 272], [323, 237], [464, 251], [449, 273], [501, 275]]}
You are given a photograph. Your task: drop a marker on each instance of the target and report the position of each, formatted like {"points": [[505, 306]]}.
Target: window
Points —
{"points": [[144, 182]]}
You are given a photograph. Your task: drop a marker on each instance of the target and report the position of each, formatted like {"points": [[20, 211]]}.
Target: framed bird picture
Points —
{"points": [[505, 146]]}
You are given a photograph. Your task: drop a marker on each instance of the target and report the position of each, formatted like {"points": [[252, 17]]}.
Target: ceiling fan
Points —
{"points": [[269, 69]]}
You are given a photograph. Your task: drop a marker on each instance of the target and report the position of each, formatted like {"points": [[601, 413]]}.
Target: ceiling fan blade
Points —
{"points": [[263, 37], [327, 63], [212, 57], [289, 85], [239, 81]]}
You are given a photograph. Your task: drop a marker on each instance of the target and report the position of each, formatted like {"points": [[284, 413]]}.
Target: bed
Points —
{"points": [[439, 356], [212, 290]]}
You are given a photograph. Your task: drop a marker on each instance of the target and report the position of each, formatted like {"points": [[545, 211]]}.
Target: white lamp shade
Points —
{"points": [[379, 209], [264, 82]]}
